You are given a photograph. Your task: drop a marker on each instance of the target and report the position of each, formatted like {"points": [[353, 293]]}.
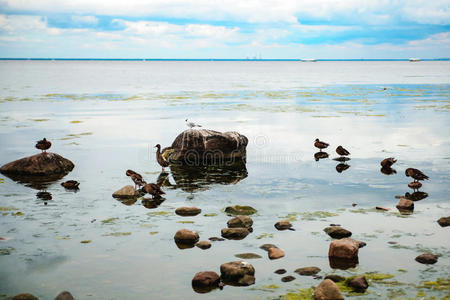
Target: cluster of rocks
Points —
{"points": [[65, 295]]}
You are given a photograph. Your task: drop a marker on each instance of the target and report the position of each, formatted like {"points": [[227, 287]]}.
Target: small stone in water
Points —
{"points": [[287, 278], [275, 253], [203, 245], [359, 283], [280, 271], [444, 221], [335, 278], [307, 271], [216, 239], [427, 258], [266, 247]]}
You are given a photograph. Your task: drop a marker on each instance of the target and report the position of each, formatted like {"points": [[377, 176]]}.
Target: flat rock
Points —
{"points": [[240, 210], [307, 271], [205, 281], [345, 248], [216, 239], [203, 245], [444, 221], [266, 247], [234, 233], [127, 192], [427, 258], [405, 204], [240, 222], [248, 255], [65, 295], [335, 278], [186, 211], [358, 283], [280, 271], [186, 236], [24, 296], [337, 232], [327, 290], [239, 273], [283, 225], [275, 253], [287, 278], [41, 164]]}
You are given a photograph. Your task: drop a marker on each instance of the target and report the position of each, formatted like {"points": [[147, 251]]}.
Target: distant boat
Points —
{"points": [[309, 60], [414, 59]]}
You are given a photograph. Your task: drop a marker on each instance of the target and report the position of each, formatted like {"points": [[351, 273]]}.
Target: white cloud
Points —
{"points": [[90, 20]]}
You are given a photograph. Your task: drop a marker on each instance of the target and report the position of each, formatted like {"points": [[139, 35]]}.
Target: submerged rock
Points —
{"points": [[444, 221], [248, 255], [358, 283], [24, 296], [201, 147], [203, 245], [335, 278], [235, 233], [240, 222], [127, 192], [186, 211], [42, 164], [307, 271], [275, 253], [206, 281], [288, 278], [238, 273], [280, 271], [337, 232], [216, 239], [427, 258], [64, 296], [240, 210], [266, 247], [327, 290], [284, 225]]}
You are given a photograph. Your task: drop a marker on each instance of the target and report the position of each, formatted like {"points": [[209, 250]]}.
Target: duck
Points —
{"points": [[342, 151], [43, 145], [388, 162], [162, 155], [71, 184], [416, 174], [321, 145], [153, 189], [136, 177], [191, 124]]}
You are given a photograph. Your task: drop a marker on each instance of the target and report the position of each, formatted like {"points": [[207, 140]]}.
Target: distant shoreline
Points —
{"points": [[208, 59]]}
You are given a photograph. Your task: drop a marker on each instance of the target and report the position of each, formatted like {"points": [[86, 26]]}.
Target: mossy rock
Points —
{"points": [[240, 210]]}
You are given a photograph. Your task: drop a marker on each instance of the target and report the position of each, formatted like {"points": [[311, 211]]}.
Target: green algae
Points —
{"points": [[2, 180], [240, 210], [186, 222], [147, 225], [210, 215], [153, 232], [160, 213], [6, 251], [76, 122], [109, 221], [302, 294], [440, 284], [7, 208], [19, 213], [264, 235], [86, 241], [40, 120], [116, 234], [311, 216], [63, 237]]}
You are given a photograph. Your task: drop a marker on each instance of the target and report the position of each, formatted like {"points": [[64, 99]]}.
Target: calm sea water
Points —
{"points": [[106, 116]]}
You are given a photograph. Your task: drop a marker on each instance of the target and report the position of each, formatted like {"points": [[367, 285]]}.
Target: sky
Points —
{"points": [[225, 29]]}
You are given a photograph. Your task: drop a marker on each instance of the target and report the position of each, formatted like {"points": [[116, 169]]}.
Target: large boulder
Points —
{"points": [[238, 273], [203, 147], [42, 164], [206, 281]]}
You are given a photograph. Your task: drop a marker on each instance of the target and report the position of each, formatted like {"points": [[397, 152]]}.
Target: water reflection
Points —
{"points": [[36, 182], [44, 196], [388, 171], [416, 196], [151, 203], [127, 201], [342, 263], [342, 167], [320, 155]]}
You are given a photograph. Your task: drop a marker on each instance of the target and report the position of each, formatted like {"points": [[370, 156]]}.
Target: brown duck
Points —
{"points": [[388, 162], [416, 174], [342, 151], [321, 145], [153, 189], [70, 184], [136, 177], [43, 145], [162, 155]]}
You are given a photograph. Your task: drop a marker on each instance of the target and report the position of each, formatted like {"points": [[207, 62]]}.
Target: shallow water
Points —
{"points": [[107, 116]]}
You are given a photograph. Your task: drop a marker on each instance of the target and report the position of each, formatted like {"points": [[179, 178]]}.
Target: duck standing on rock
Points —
{"points": [[416, 174], [153, 189], [71, 184], [321, 145], [161, 156], [136, 177], [43, 145]]}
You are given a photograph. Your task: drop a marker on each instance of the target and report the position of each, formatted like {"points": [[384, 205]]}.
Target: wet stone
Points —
{"points": [[287, 278], [126, 192], [206, 281], [186, 236], [345, 248], [275, 253], [405, 204], [238, 273], [427, 258], [240, 222], [24, 296], [248, 255], [307, 271], [186, 211], [234, 233], [64, 296], [266, 247], [41, 164], [335, 278], [203, 245], [280, 271], [359, 284], [216, 239], [240, 210], [283, 225], [337, 232], [327, 290], [444, 221]]}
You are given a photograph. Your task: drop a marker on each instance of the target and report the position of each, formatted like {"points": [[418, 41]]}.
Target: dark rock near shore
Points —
{"points": [[238, 273], [240, 222], [41, 164], [186, 237], [280, 271], [203, 245], [235, 233], [240, 210], [127, 192], [307, 271], [283, 225], [335, 278], [444, 221], [327, 290], [24, 296], [203, 146], [358, 283], [204, 282], [288, 278], [186, 211], [337, 232], [427, 258], [64, 296]]}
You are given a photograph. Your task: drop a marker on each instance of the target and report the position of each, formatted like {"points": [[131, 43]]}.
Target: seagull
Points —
{"points": [[43, 145], [192, 124]]}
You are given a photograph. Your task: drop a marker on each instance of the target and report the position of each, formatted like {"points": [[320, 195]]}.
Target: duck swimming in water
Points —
{"points": [[416, 174], [153, 189], [136, 177], [321, 145], [162, 155], [388, 162], [43, 145]]}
